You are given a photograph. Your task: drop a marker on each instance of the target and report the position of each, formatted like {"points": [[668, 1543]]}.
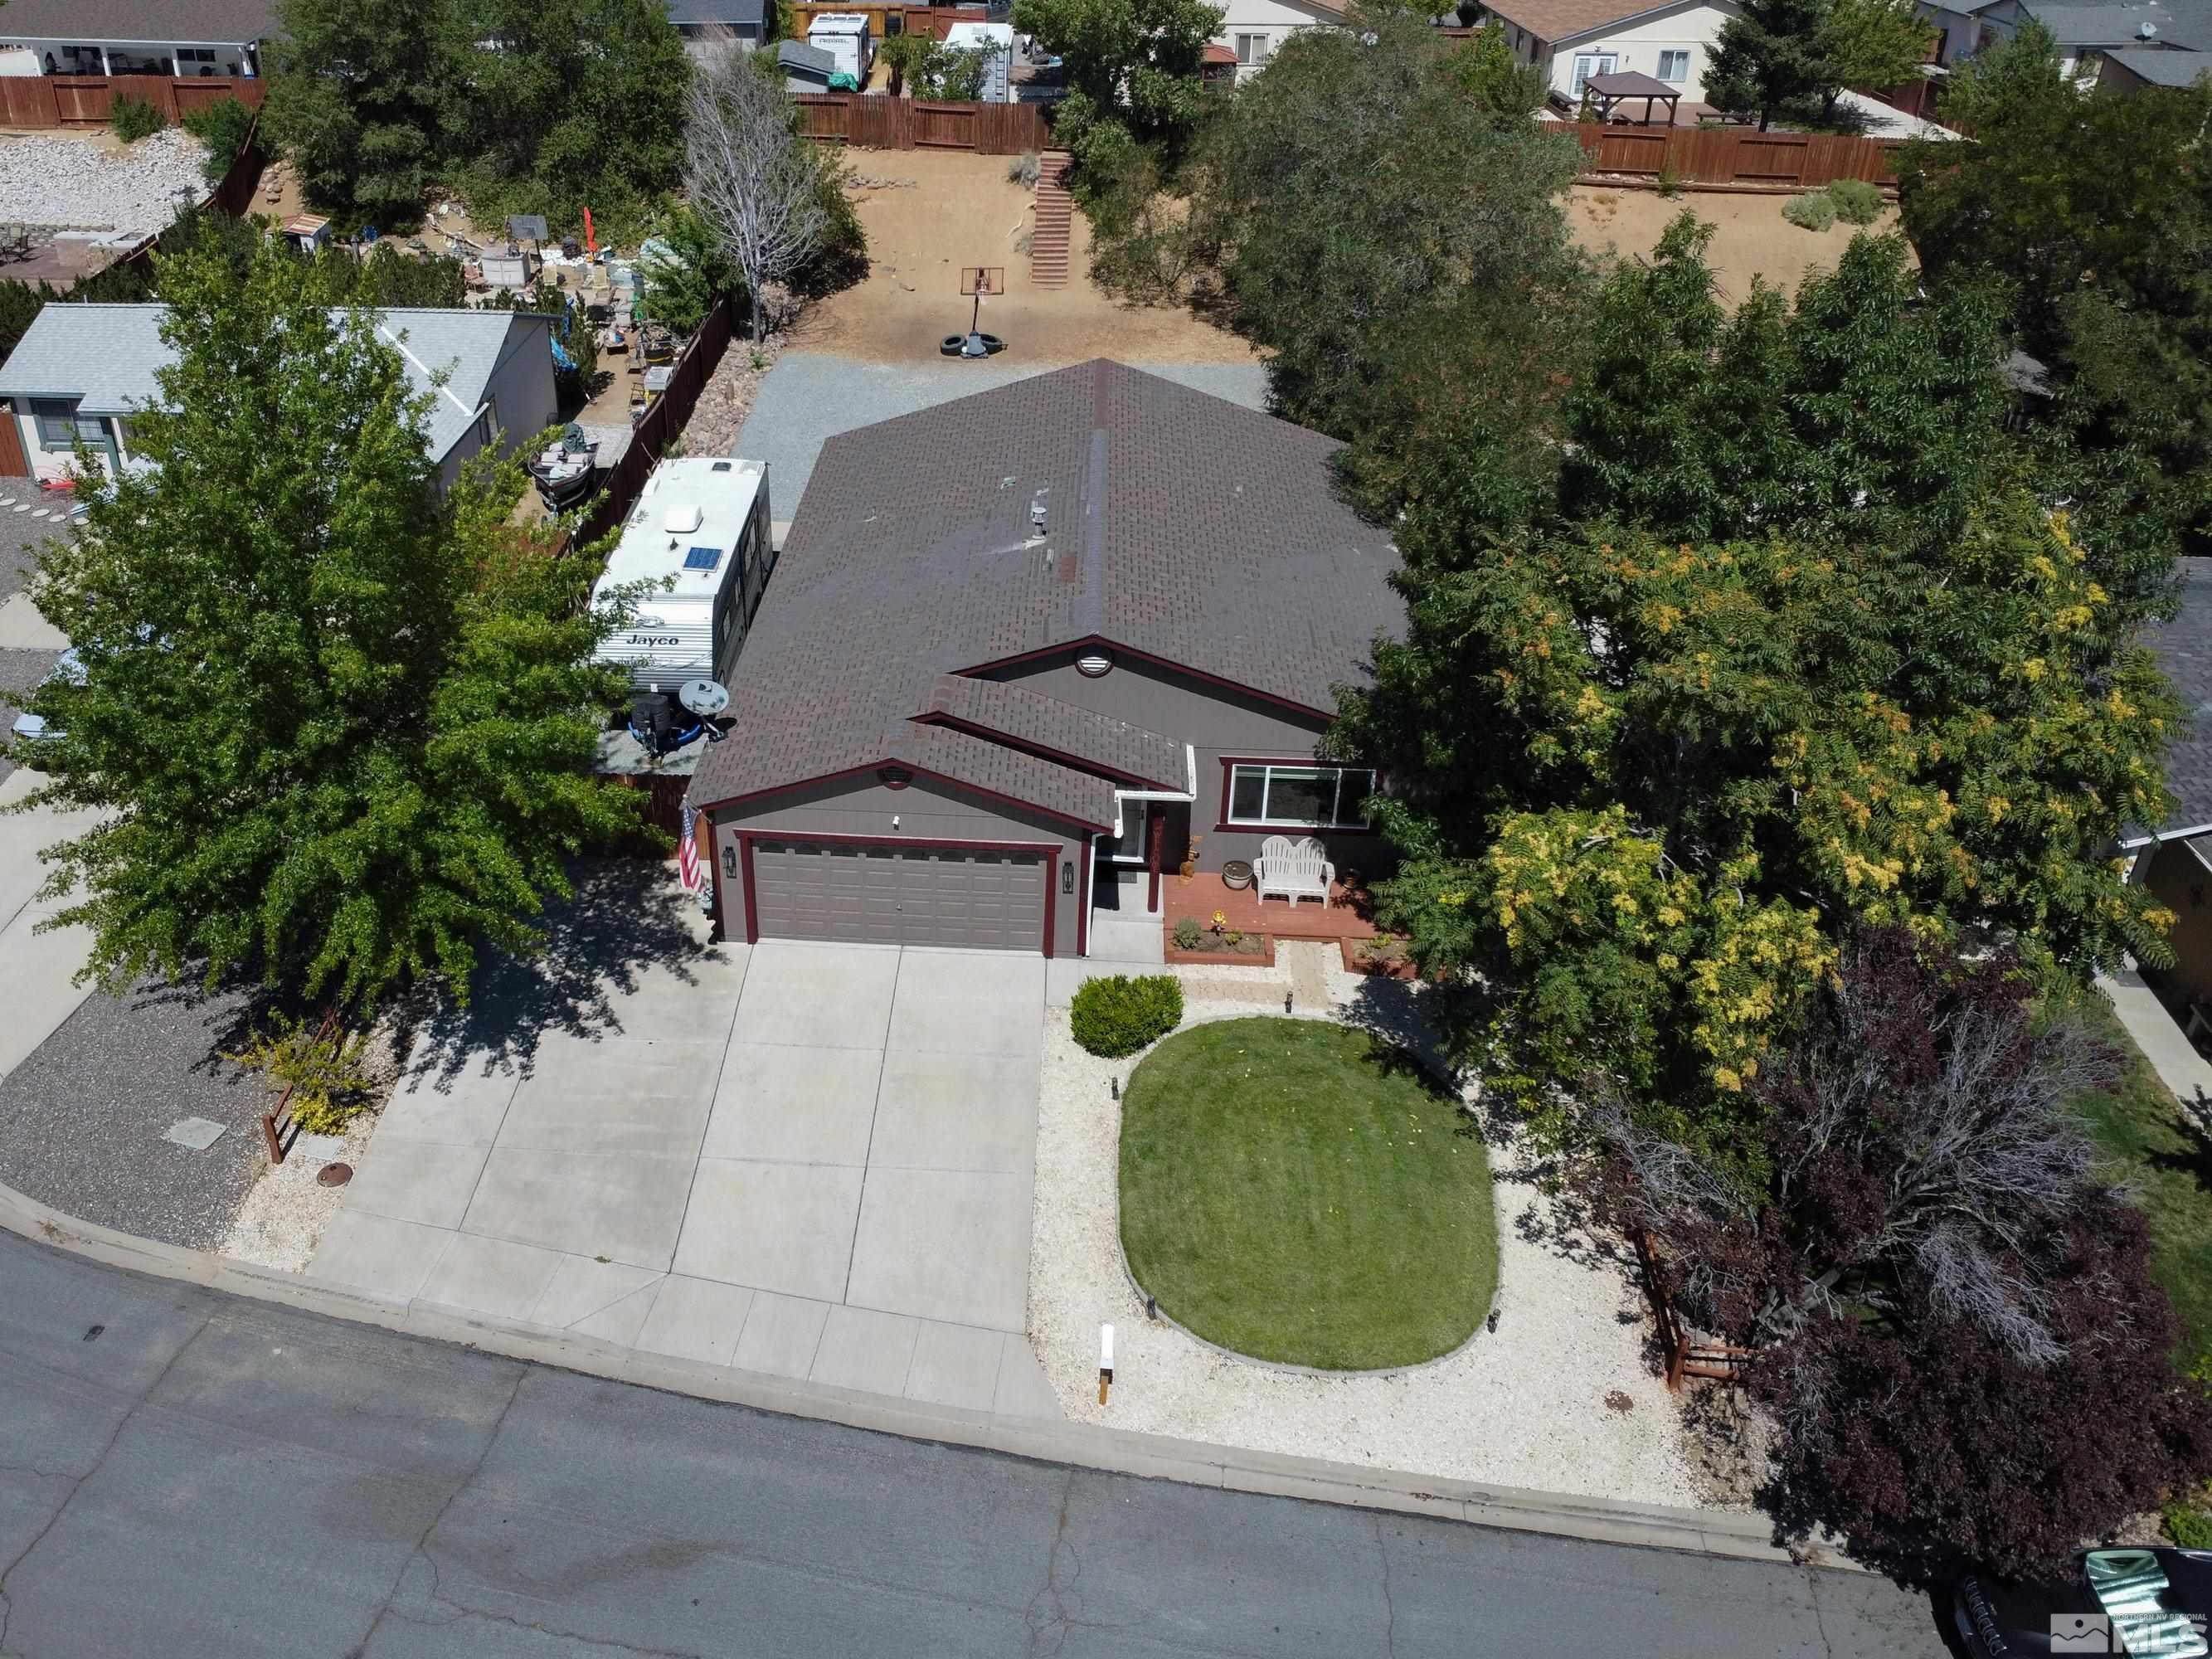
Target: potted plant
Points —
{"points": [[1236, 875]]}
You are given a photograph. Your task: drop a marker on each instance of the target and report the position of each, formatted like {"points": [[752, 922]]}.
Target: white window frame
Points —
{"points": [[1251, 47], [1599, 63], [1682, 53], [1269, 819]]}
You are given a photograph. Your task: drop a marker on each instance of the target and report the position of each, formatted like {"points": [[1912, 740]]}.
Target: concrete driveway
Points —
{"points": [[37, 970], [809, 1160]]}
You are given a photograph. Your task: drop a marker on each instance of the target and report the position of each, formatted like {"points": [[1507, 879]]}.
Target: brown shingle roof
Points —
{"points": [[1176, 524], [1113, 747], [1554, 20]]}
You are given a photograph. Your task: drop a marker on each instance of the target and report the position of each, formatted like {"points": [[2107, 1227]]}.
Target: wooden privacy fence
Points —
{"points": [[84, 101], [1735, 156], [656, 429], [878, 122]]}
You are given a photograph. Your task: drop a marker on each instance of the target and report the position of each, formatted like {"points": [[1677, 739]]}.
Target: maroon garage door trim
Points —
{"points": [[1047, 852]]}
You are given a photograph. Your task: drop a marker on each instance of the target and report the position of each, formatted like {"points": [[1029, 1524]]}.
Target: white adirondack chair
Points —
{"points": [[1293, 869]]}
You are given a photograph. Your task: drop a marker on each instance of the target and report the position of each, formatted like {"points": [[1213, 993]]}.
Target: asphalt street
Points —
{"points": [[184, 1475]]}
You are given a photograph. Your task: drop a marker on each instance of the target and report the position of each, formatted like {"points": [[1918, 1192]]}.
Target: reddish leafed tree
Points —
{"points": [[1957, 1329]]}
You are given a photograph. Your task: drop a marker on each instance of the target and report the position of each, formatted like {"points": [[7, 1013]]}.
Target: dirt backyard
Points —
{"points": [[930, 212], [1750, 237]]}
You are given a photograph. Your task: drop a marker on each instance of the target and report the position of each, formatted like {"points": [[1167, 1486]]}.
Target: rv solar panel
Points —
{"points": [[702, 558]]}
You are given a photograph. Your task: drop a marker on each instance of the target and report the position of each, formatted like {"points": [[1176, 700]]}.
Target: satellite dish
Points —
{"points": [[704, 698]]}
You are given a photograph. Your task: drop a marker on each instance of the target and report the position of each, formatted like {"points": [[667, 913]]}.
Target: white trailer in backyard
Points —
{"points": [[699, 535]]}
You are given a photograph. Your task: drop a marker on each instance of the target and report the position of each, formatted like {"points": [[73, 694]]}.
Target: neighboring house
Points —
{"points": [[1036, 647], [2175, 861], [87, 368], [2085, 32], [1575, 40], [708, 26], [805, 69], [156, 37], [2123, 73], [1252, 30]]}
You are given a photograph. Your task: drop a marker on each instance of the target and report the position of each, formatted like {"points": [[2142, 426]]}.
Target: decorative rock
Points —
{"points": [[58, 180]]}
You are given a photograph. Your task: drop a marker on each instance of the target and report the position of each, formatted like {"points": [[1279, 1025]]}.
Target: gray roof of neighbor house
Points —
{"points": [[2185, 652], [1176, 527], [797, 54], [715, 11], [139, 22], [2183, 25], [2162, 68], [107, 356]]}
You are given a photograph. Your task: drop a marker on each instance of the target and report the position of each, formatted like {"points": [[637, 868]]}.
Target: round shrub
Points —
{"points": [[1856, 202], [1813, 211], [134, 119], [1119, 1016]]}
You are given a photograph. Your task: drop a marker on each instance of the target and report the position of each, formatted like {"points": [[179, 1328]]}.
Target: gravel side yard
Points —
{"points": [[19, 669], [1558, 1398], [85, 181], [81, 1121], [809, 396]]}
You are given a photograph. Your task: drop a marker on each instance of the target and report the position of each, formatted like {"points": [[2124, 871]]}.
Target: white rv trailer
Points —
{"points": [[846, 36], [702, 524]]}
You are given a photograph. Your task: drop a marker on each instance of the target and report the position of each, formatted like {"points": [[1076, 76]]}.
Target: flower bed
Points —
{"points": [[1382, 956], [1193, 942]]}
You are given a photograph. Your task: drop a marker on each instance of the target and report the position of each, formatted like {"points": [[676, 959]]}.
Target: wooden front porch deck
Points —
{"points": [[1348, 916]]}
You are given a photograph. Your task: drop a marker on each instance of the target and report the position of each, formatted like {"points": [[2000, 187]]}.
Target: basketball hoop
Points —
{"points": [[982, 280]]}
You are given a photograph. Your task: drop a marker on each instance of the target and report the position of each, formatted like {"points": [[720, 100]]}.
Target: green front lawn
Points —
{"points": [[1293, 1191], [2139, 1126]]}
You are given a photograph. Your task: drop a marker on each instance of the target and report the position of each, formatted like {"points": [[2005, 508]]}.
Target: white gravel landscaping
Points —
{"points": [[75, 181], [1559, 1398]]}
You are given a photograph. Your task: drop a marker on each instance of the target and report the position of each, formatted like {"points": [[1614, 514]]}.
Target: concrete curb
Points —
{"points": [[1650, 1526]]}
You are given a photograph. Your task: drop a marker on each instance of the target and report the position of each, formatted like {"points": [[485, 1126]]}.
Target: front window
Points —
{"points": [[1307, 797], [57, 419], [1674, 66], [1251, 48]]}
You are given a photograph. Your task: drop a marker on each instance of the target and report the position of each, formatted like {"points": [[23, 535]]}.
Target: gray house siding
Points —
{"points": [[926, 811], [1217, 722]]}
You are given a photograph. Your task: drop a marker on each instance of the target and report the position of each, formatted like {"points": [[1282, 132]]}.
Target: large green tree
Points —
{"points": [[1132, 72], [1771, 54], [560, 105], [1649, 765], [357, 97], [1871, 43], [2097, 211], [526, 106], [337, 728], [1357, 196]]}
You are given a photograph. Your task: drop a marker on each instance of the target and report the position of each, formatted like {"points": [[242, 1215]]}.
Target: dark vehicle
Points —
{"points": [[2117, 1600]]}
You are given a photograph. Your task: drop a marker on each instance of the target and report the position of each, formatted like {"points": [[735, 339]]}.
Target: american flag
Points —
{"points": [[687, 855]]}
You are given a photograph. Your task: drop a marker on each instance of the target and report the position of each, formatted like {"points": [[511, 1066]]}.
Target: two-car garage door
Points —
{"points": [[867, 893]]}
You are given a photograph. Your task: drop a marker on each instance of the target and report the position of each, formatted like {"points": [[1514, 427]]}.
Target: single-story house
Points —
{"points": [[1037, 648], [2175, 860], [1576, 39], [805, 69], [708, 26], [1251, 30], [87, 368], [152, 36]]}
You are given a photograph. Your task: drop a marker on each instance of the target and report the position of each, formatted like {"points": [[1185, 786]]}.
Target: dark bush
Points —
{"points": [[1119, 1016], [134, 119]]}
